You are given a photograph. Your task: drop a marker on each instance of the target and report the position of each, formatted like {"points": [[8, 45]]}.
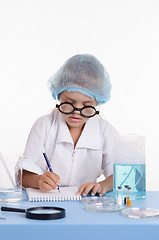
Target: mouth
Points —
{"points": [[75, 119]]}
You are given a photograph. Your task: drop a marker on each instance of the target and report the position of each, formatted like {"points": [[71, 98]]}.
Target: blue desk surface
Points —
{"points": [[80, 224]]}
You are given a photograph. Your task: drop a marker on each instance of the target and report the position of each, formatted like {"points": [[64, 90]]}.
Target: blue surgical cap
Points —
{"points": [[82, 73]]}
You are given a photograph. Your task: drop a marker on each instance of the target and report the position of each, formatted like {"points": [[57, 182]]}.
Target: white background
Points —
{"points": [[37, 36]]}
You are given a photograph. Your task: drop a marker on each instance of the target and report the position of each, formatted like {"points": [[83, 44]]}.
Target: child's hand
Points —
{"points": [[48, 181], [93, 187]]}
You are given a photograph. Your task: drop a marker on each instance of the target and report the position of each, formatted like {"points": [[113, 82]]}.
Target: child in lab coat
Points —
{"points": [[76, 141]]}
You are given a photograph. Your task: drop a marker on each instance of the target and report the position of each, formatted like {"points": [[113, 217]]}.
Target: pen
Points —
{"points": [[49, 166]]}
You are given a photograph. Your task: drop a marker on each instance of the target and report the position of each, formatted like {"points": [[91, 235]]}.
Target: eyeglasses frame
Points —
{"points": [[76, 109]]}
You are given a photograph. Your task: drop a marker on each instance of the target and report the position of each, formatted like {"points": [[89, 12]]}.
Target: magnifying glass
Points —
{"points": [[41, 213]]}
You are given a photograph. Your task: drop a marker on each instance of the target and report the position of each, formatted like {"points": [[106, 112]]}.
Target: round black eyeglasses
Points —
{"points": [[68, 108]]}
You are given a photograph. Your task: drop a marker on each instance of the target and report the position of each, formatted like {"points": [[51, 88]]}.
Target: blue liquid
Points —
{"points": [[132, 175]]}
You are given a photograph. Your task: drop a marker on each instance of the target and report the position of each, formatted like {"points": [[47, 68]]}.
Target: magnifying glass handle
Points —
{"points": [[9, 209]]}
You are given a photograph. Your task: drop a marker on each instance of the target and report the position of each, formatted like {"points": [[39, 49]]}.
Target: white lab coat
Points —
{"points": [[91, 157]]}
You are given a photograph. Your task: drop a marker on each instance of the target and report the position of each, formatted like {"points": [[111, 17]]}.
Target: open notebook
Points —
{"points": [[65, 194]]}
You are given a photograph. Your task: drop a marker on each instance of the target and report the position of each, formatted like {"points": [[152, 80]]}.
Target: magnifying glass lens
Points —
{"points": [[44, 211]]}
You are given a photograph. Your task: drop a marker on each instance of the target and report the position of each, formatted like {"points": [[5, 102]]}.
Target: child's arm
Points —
{"points": [[100, 187], [45, 182]]}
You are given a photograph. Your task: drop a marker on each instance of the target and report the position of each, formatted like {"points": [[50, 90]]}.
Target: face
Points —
{"points": [[79, 100]]}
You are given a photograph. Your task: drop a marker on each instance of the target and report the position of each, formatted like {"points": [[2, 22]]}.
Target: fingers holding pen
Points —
{"points": [[48, 181]]}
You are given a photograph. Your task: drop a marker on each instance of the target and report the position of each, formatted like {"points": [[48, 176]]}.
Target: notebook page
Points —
{"points": [[65, 194]]}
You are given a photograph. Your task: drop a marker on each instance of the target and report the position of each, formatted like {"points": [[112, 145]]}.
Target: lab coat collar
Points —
{"points": [[90, 137], [63, 134]]}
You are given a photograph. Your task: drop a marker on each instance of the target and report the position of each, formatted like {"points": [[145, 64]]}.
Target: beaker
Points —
{"points": [[129, 164], [10, 178]]}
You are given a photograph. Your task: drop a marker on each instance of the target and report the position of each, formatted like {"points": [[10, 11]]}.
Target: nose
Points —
{"points": [[77, 110]]}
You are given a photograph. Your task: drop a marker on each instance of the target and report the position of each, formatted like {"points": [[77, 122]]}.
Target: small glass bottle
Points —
{"points": [[119, 195], [129, 197], [125, 191]]}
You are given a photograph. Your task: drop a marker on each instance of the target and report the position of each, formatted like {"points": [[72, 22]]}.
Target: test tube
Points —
{"points": [[119, 195], [129, 197]]}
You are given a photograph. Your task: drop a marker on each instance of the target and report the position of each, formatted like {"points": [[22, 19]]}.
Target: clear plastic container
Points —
{"points": [[10, 178], [129, 164], [94, 200], [140, 212], [103, 207]]}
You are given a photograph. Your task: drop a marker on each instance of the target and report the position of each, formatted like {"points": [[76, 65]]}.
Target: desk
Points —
{"points": [[80, 224]]}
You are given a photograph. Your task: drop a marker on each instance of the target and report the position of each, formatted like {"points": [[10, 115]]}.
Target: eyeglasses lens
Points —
{"points": [[88, 111], [66, 108]]}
